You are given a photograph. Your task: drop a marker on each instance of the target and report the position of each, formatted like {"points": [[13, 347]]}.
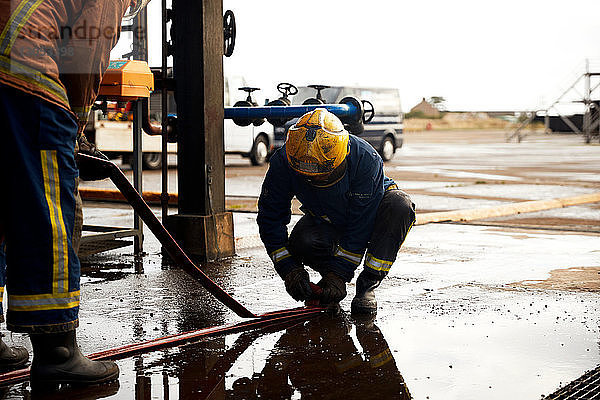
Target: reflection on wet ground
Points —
{"points": [[455, 323], [326, 357], [467, 312]]}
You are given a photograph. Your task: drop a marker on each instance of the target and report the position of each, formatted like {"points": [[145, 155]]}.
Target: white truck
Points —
{"points": [[115, 138]]}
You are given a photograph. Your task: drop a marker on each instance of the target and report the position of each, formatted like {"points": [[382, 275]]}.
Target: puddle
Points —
{"points": [[320, 358], [451, 325]]}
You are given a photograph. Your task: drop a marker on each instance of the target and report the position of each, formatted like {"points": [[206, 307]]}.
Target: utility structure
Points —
{"points": [[201, 226], [201, 35], [581, 98]]}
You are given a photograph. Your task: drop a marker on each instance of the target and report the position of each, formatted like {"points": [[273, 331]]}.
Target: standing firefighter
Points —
{"points": [[349, 204], [52, 57]]}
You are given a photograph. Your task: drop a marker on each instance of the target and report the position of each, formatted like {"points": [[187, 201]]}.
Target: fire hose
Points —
{"points": [[165, 238], [275, 320], [272, 319]]}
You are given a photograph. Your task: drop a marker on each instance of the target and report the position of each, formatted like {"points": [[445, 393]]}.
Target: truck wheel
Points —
{"points": [[260, 151], [387, 149], [151, 161]]}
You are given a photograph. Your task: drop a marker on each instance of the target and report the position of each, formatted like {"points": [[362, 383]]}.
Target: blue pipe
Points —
{"points": [[346, 111]]}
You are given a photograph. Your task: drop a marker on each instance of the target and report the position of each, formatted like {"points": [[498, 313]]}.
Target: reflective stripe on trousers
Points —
{"points": [[38, 170]]}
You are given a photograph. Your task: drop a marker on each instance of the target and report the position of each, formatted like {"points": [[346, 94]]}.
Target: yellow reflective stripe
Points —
{"points": [[377, 264], [280, 254], [17, 20], [30, 75], [381, 359], [41, 302], [60, 246], [354, 258], [391, 187], [70, 296], [64, 274], [45, 307]]}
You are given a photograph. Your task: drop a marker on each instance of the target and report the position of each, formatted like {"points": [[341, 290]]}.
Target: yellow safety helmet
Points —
{"points": [[317, 146]]}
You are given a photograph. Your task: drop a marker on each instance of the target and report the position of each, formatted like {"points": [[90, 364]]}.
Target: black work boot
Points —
{"points": [[364, 301], [12, 357], [58, 360]]}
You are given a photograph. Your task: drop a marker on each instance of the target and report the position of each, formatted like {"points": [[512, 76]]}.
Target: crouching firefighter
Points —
{"points": [[53, 54], [349, 207]]}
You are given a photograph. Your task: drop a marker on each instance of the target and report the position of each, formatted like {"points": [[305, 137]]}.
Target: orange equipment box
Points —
{"points": [[126, 80]]}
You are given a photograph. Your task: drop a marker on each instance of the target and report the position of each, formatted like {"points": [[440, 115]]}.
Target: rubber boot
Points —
{"points": [[12, 357], [364, 301], [58, 360]]}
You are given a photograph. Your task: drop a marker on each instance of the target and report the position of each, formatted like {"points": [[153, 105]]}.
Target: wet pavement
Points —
{"points": [[504, 307]]}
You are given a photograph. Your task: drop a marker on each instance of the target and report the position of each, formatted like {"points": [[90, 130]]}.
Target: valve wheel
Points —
{"points": [[318, 88], [228, 33], [287, 89], [368, 111]]}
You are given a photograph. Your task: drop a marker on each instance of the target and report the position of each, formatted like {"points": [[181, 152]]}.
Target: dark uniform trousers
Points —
{"points": [[313, 241], [37, 212]]}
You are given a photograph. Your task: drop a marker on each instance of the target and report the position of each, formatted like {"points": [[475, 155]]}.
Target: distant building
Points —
{"points": [[426, 109]]}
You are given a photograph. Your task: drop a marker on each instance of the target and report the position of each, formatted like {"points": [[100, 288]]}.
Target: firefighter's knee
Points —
{"points": [[401, 209]]}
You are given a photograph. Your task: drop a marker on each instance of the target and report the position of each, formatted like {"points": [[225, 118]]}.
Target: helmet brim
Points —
{"points": [[327, 180]]}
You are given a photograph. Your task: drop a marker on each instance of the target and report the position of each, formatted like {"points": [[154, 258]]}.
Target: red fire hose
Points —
{"points": [[165, 239], [272, 319]]}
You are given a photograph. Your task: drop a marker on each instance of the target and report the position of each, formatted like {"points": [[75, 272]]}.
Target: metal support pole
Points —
{"points": [[202, 226], [164, 196], [138, 239], [140, 52], [587, 104]]}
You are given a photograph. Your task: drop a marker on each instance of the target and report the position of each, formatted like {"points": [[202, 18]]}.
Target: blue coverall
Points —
{"points": [[344, 219]]}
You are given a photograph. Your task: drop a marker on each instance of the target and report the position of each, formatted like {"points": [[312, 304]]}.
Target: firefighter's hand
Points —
{"points": [[88, 169], [334, 288], [297, 284]]}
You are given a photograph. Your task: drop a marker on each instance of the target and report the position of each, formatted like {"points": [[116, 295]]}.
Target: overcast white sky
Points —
{"points": [[478, 54]]}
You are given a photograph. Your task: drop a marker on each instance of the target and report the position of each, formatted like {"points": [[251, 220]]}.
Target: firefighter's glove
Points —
{"points": [[90, 170], [334, 288], [297, 284]]}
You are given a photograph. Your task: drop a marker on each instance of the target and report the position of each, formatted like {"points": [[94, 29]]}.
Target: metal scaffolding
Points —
{"points": [[580, 99]]}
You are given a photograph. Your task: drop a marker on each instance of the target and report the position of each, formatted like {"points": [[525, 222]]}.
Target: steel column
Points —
{"points": [[140, 52], [198, 72]]}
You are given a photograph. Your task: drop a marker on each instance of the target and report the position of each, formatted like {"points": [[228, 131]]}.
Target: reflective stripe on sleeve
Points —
{"points": [[354, 258], [377, 264], [280, 254], [30, 75], [15, 23]]}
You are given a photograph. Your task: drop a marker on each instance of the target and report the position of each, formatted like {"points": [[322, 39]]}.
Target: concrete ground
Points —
{"points": [[494, 308]]}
